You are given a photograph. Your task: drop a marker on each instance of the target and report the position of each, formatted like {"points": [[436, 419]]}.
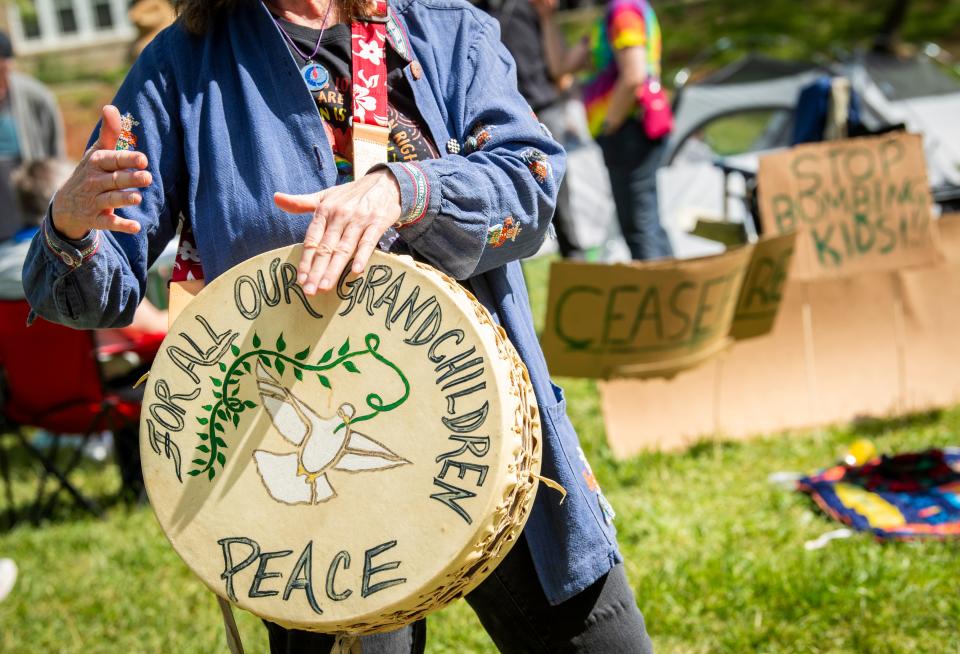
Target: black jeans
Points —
{"points": [[632, 161], [603, 619]]}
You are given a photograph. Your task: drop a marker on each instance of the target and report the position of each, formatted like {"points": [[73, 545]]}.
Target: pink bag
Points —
{"points": [[657, 115]]}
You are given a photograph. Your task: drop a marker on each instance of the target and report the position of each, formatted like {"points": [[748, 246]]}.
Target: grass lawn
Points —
{"points": [[714, 552]]}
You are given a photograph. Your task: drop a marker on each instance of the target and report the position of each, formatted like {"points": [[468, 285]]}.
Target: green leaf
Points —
{"points": [[235, 350], [302, 356], [223, 366], [206, 407], [281, 344], [265, 361], [203, 436], [236, 420], [349, 365], [256, 340], [216, 382], [279, 363], [249, 404], [219, 442], [344, 348], [221, 414], [222, 459], [326, 355], [235, 391], [203, 448], [199, 462], [202, 421], [246, 366], [217, 395], [218, 426], [298, 374], [324, 381], [194, 473], [211, 473]]}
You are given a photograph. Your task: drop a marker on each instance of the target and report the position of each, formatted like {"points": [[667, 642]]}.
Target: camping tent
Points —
{"points": [[917, 93], [752, 85], [762, 92]]}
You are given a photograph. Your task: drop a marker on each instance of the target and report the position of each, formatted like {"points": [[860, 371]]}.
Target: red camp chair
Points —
{"points": [[52, 381]]}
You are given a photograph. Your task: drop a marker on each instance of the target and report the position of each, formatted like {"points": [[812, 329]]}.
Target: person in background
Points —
{"points": [[34, 184], [529, 33], [623, 65], [31, 128], [149, 17]]}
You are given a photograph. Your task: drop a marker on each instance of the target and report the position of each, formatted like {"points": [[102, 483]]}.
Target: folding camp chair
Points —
{"points": [[52, 381]]}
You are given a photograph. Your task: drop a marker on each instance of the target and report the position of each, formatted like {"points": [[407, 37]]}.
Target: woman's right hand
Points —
{"points": [[100, 184]]}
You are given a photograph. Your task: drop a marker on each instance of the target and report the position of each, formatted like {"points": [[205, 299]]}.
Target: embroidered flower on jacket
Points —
{"points": [[127, 141], [479, 138], [594, 486], [500, 234], [538, 164]]}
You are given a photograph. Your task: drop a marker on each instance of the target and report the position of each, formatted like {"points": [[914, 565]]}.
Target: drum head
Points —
{"points": [[345, 462]]}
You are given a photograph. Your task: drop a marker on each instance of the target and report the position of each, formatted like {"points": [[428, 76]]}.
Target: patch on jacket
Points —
{"points": [[538, 164], [479, 137], [508, 230], [127, 140], [605, 507]]}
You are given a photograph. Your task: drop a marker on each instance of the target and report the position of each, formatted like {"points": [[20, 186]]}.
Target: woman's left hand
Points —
{"points": [[348, 221]]}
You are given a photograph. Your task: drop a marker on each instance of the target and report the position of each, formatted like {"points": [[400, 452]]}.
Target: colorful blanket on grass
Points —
{"points": [[906, 496]]}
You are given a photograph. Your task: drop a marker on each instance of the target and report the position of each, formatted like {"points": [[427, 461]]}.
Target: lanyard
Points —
{"points": [[370, 135], [371, 130]]}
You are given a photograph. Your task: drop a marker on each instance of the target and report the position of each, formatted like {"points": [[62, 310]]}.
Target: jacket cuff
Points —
{"points": [[419, 197], [72, 253]]}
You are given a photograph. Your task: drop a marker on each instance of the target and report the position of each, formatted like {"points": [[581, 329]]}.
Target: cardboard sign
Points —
{"points": [[762, 288], [859, 204], [878, 344], [948, 233], [654, 319]]}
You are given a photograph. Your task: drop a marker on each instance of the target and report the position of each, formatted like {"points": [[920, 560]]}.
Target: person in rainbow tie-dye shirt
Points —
{"points": [[625, 59]]}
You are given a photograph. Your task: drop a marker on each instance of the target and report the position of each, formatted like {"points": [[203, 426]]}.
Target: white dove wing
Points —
{"points": [[279, 474], [364, 453], [282, 407]]}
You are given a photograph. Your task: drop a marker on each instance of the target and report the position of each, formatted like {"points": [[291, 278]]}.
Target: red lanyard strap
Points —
{"points": [[371, 129]]}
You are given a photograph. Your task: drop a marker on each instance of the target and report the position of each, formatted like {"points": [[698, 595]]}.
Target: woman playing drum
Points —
{"points": [[235, 119]]}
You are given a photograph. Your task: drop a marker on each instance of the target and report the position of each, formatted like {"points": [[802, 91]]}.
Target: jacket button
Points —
{"points": [[416, 70]]}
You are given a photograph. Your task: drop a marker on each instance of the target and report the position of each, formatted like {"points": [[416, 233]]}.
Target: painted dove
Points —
{"points": [[300, 477]]}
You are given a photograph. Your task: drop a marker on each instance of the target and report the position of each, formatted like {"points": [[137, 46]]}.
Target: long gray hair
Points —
{"points": [[197, 16]]}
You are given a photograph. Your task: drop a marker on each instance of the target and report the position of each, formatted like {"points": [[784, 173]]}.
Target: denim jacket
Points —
{"points": [[225, 120]]}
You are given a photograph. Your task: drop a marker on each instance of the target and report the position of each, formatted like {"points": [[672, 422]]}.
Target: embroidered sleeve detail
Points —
{"points": [[538, 163], [71, 256], [499, 234], [479, 138], [421, 198]]}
